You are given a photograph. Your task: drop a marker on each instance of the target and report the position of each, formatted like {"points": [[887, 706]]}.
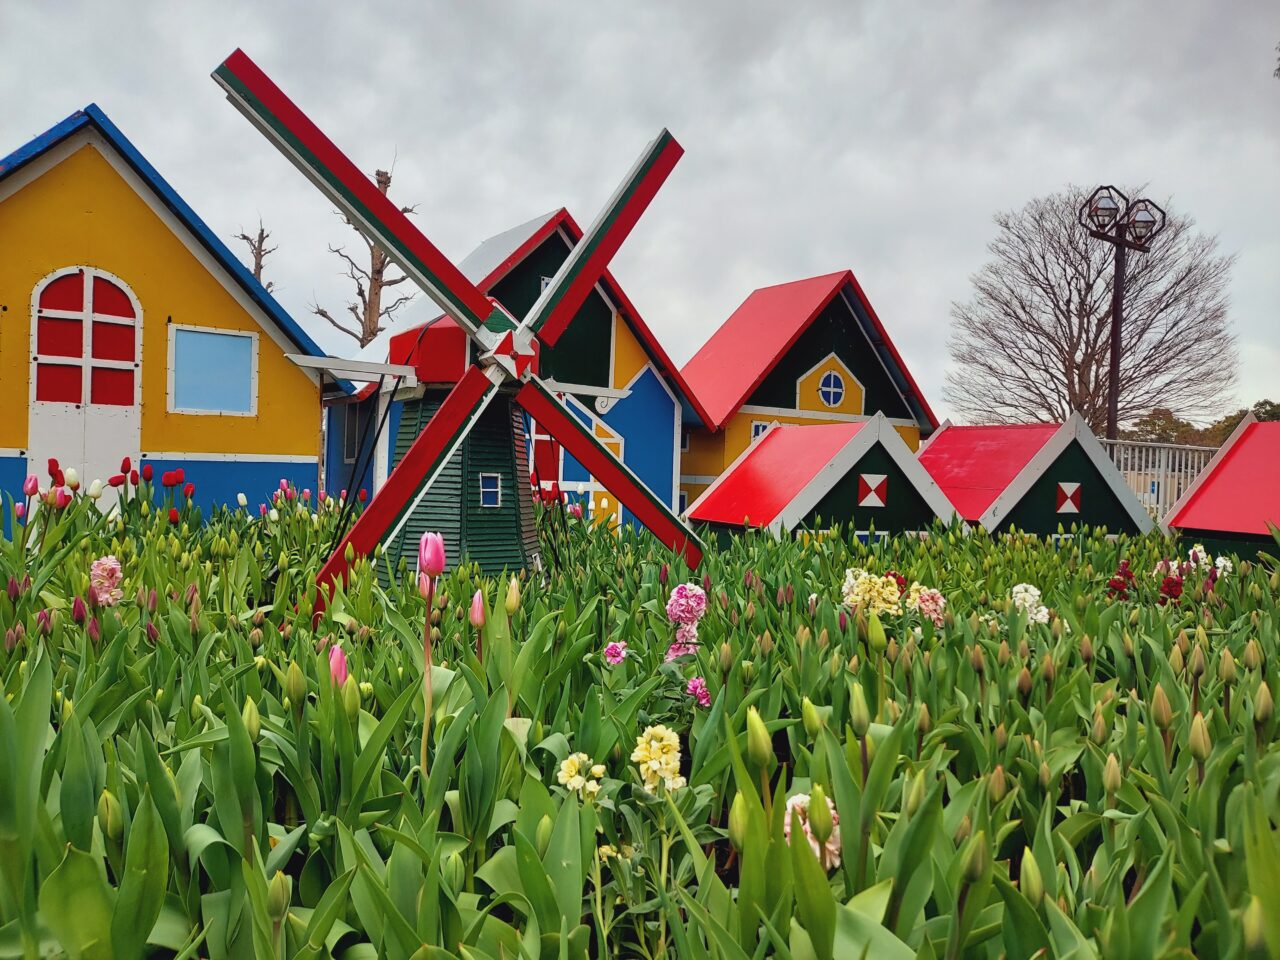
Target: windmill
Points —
{"points": [[506, 350]]}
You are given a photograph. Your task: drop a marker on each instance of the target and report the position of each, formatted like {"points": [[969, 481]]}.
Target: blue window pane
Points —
{"points": [[831, 389], [212, 371], [490, 490]]}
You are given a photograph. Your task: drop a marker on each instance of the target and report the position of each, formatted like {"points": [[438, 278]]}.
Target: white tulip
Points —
{"points": [[242, 499], [95, 490]]}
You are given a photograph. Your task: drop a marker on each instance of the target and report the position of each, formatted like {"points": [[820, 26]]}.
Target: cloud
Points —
{"points": [[875, 136]]}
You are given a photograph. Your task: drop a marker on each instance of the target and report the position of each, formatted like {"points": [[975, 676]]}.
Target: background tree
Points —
{"points": [[1161, 426], [1032, 343], [258, 252], [368, 309]]}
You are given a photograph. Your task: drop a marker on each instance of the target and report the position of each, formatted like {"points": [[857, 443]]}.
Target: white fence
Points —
{"points": [[1158, 472]]}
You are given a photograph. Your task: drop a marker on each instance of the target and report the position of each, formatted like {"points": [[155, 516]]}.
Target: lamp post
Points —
{"points": [[1127, 225]]}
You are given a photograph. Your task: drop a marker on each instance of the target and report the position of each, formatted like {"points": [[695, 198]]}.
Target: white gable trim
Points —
{"points": [[88, 137], [924, 444], [879, 429], [1075, 428], [1209, 467]]}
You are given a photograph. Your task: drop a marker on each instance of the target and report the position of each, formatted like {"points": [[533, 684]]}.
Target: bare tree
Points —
{"points": [[1033, 342], [258, 251], [368, 309]]}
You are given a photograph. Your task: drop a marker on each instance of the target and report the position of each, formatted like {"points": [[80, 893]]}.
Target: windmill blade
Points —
{"points": [[286, 126], [416, 471], [569, 288], [555, 418]]}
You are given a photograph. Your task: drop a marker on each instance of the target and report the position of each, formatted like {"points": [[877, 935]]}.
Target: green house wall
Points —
{"points": [[581, 355], [904, 509], [1037, 511], [1243, 545], [834, 330]]}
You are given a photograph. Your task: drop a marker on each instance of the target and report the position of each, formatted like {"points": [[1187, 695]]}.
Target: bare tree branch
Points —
{"points": [[1033, 342], [258, 251], [367, 309]]}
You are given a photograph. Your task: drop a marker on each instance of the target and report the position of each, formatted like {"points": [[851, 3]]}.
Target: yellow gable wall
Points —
{"points": [[629, 357], [83, 213], [807, 389]]}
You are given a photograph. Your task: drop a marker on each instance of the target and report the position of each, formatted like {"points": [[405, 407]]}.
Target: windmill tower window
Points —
{"points": [[491, 490]]}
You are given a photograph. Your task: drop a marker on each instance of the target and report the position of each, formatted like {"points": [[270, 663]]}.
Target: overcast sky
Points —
{"points": [[879, 137]]}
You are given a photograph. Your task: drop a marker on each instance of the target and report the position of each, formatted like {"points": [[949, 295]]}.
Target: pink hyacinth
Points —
{"points": [[932, 604], [104, 581], [338, 665], [687, 604], [575, 511], [615, 652], [828, 853], [697, 688], [686, 642]]}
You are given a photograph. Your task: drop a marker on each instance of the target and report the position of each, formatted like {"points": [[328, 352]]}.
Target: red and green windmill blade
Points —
{"points": [[504, 348]]}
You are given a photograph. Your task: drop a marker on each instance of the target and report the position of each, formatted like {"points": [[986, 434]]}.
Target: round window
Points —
{"points": [[831, 389]]}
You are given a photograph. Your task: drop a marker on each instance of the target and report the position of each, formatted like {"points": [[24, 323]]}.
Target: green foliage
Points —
{"points": [[181, 775]]}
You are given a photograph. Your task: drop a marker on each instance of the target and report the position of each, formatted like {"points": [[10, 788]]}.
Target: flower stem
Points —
{"points": [[426, 678]]}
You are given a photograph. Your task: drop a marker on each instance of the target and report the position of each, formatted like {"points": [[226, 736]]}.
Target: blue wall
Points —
{"points": [[13, 470], [338, 474], [219, 481], [646, 422]]}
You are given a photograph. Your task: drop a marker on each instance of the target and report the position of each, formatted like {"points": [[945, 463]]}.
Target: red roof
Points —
{"points": [[974, 465], [413, 347], [772, 473], [737, 358], [1239, 493]]}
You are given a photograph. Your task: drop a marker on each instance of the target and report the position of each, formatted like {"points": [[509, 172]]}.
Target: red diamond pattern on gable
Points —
{"points": [[872, 489], [1068, 498]]}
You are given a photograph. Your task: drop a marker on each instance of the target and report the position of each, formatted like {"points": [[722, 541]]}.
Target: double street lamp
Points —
{"points": [[1127, 225]]}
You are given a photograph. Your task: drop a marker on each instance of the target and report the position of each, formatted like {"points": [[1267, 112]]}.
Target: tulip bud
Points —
{"points": [[1045, 775], [738, 822], [1198, 739], [279, 893], [351, 698], [1227, 667], [876, 637], [812, 721], [1161, 710], [454, 872], [1001, 737], [915, 796], [513, 597], [476, 615], [1029, 880], [1197, 664], [997, 784], [1252, 654], [295, 683], [979, 858], [759, 744], [820, 820], [1263, 706], [859, 712], [1176, 662], [748, 668], [1254, 927], [1024, 682], [252, 721], [726, 657], [110, 818], [1111, 776], [1099, 731], [1086, 649], [924, 723], [542, 836]]}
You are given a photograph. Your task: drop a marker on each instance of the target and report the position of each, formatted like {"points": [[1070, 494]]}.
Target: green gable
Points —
{"points": [[834, 330], [904, 508], [1037, 511], [581, 355]]}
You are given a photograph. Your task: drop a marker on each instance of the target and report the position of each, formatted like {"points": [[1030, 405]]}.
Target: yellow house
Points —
{"points": [[127, 329], [805, 352]]}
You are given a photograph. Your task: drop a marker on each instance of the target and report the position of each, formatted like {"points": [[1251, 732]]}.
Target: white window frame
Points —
{"points": [[350, 429], [490, 506], [684, 439], [683, 501], [250, 335], [545, 282], [842, 388], [864, 536]]}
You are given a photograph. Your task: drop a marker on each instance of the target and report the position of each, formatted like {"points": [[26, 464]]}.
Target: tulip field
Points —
{"points": [[956, 746]]}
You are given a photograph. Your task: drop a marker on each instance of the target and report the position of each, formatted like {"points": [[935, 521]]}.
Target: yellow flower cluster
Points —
{"points": [[657, 756], [579, 775], [871, 593]]}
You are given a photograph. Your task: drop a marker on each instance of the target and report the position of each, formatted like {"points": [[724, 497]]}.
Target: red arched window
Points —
{"points": [[86, 340]]}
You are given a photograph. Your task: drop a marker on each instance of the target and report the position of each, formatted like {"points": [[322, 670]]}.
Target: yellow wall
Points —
{"points": [[629, 357], [82, 213], [807, 389]]}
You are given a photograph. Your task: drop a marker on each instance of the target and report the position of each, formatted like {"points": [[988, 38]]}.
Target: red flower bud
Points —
{"points": [[147, 472], [117, 480], [363, 495], [126, 465], [53, 469], [133, 477], [174, 516], [78, 610], [188, 490]]}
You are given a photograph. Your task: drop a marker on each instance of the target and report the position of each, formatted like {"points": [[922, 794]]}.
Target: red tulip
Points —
{"points": [[174, 516], [133, 477], [126, 465], [188, 490], [179, 476], [78, 610], [147, 472], [117, 480], [363, 494], [58, 477], [53, 468]]}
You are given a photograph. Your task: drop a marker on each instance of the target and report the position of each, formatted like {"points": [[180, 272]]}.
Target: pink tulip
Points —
{"points": [[62, 499], [284, 484], [431, 559], [337, 665], [477, 610], [575, 511], [79, 613], [94, 631], [19, 510], [323, 496], [31, 486], [425, 586]]}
